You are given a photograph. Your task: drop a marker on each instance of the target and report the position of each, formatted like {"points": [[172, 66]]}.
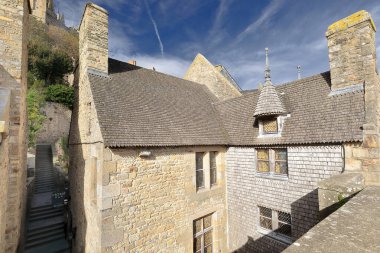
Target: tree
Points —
{"points": [[48, 64]]}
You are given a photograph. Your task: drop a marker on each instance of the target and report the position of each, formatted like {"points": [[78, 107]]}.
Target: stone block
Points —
{"points": [[111, 237], [336, 189], [111, 190], [106, 203], [110, 166], [370, 141]]}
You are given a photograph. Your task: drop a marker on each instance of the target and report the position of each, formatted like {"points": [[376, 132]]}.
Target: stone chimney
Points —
{"points": [[93, 40], [352, 50]]}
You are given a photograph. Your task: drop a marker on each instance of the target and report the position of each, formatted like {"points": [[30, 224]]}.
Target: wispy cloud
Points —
{"points": [[265, 16], [155, 27]]}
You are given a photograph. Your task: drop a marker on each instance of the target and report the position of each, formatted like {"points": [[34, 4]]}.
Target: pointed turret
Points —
{"points": [[269, 102]]}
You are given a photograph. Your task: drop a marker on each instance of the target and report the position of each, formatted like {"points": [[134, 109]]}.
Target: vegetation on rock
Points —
{"points": [[60, 94], [53, 53]]}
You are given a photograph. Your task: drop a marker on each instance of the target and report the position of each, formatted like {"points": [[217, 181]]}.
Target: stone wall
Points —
{"points": [[4, 161], [352, 54], [297, 194], [14, 15], [149, 204], [56, 124], [202, 71]]}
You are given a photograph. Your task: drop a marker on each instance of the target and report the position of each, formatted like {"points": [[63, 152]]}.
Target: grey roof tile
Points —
{"points": [[315, 117]]}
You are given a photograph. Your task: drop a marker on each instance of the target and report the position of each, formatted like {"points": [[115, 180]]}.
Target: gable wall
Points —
{"points": [[297, 195]]}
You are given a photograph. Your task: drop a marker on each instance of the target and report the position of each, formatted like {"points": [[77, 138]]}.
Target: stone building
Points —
{"points": [[44, 11], [14, 16], [163, 164]]}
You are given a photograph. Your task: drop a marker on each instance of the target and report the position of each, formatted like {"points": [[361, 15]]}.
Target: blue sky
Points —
{"points": [[167, 34]]}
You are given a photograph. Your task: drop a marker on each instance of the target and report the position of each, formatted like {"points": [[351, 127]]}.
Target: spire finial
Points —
{"points": [[299, 72], [267, 69]]}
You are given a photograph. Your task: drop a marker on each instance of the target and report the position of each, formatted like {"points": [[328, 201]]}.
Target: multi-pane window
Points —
{"points": [[213, 171], [270, 126], [203, 234], [277, 221], [265, 217], [284, 224], [199, 170], [263, 160], [281, 161], [272, 161]]}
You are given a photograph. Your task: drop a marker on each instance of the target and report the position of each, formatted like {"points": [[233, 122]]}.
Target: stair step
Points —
{"points": [[59, 246], [37, 214], [43, 217], [45, 234], [44, 240], [49, 227]]}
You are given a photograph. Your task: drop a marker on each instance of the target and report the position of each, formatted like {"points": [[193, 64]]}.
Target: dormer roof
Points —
{"points": [[269, 102]]}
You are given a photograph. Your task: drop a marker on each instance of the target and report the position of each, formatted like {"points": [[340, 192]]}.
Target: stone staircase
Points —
{"points": [[45, 223]]}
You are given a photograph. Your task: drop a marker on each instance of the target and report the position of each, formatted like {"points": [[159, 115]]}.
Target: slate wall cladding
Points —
{"points": [[296, 195]]}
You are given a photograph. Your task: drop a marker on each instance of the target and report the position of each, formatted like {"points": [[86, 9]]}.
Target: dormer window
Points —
{"points": [[270, 125]]}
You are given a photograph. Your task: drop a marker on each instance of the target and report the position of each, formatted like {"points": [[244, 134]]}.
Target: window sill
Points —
{"points": [[276, 236], [272, 176]]}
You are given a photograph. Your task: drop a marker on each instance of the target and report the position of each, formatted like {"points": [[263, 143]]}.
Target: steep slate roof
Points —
{"points": [[269, 103], [141, 107], [315, 117]]}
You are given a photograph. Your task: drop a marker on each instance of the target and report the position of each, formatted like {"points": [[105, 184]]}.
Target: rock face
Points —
{"points": [[56, 124], [14, 16]]}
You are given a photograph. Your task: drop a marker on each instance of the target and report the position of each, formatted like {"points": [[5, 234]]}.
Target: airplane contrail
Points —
{"points": [[155, 27]]}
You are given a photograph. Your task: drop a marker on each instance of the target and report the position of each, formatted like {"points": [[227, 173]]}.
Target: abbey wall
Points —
{"points": [[14, 16]]}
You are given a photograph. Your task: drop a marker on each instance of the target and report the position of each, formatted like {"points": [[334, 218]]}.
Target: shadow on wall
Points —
{"points": [[76, 181], [305, 215]]}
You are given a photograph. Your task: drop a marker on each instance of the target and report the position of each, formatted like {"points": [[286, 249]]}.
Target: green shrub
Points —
{"points": [[35, 100], [47, 63], [60, 94]]}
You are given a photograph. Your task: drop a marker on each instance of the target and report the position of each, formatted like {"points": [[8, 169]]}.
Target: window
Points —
{"points": [[272, 161], [270, 126], [277, 222], [199, 170], [263, 160], [265, 218], [213, 172], [203, 234], [281, 161]]}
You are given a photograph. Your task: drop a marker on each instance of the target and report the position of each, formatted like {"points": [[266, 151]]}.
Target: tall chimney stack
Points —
{"points": [[352, 50], [93, 40]]}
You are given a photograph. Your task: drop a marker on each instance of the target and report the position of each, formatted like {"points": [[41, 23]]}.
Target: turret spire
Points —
{"points": [[267, 68], [299, 72]]}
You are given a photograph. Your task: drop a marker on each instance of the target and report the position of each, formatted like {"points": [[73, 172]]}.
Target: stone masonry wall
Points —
{"points": [[352, 54], [149, 204], [14, 16], [4, 161], [296, 195], [56, 124]]}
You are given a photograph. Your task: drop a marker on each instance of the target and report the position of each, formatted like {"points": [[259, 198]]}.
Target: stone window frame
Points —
{"points": [[276, 221], [202, 233], [272, 163], [208, 185], [213, 168], [199, 170]]}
